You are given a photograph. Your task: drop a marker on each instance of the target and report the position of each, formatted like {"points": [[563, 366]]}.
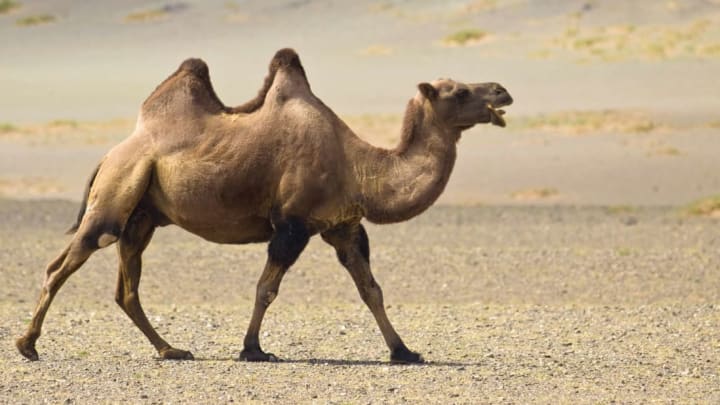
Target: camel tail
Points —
{"points": [[83, 204]]}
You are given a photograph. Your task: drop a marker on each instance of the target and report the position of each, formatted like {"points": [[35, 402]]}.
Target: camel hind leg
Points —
{"points": [[133, 241], [118, 188], [58, 271]]}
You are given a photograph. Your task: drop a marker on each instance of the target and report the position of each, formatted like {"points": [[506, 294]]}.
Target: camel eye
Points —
{"points": [[462, 94]]}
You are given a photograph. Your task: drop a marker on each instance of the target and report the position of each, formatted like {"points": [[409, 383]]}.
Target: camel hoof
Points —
{"points": [[27, 349], [402, 355], [176, 354], [257, 355]]}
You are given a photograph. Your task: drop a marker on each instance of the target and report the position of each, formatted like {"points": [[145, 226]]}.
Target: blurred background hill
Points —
{"points": [[616, 102]]}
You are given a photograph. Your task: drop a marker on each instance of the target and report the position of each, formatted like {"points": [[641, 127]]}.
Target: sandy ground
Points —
{"points": [[508, 304]]}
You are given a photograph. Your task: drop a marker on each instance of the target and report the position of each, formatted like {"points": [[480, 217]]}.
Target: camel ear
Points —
{"points": [[428, 91]]}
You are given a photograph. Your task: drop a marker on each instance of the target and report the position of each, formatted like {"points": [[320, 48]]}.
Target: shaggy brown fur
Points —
{"points": [[279, 169]]}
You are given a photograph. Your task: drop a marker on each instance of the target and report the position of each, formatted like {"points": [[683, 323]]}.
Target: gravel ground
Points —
{"points": [[507, 304]]}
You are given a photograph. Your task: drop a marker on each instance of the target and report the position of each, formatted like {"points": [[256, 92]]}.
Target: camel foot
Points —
{"points": [[402, 355], [27, 349], [176, 354], [257, 355]]}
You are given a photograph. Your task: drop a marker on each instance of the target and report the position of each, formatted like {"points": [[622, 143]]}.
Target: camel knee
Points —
{"points": [[128, 299], [266, 298], [371, 293]]}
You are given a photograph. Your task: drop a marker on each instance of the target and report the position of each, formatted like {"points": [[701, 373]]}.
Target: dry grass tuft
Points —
{"points": [[7, 6], [479, 6], [650, 42], [236, 15], [588, 122], [465, 37], [707, 207], [6, 127], [29, 186], [34, 20], [534, 194], [63, 123], [621, 209], [155, 14], [69, 131], [665, 150]]}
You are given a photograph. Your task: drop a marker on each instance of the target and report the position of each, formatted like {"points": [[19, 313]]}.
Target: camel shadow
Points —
{"points": [[337, 362]]}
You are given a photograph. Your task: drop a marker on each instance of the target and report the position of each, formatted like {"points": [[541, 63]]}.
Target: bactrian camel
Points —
{"points": [[279, 169]]}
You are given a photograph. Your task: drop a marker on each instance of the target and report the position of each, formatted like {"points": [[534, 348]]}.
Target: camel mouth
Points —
{"points": [[496, 115]]}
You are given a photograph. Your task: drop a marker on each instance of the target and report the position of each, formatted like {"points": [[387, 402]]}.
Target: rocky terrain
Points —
{"points": [[507, 304]]}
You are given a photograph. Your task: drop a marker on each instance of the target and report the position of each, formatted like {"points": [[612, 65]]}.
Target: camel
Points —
{"points": [[280, 168]]}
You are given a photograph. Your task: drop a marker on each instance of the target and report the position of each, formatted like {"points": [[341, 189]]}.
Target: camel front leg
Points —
{"points": [[353, 250], [288, 241]]}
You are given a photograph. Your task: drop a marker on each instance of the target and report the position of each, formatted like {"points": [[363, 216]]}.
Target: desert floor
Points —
{"points": [[507, 304]]}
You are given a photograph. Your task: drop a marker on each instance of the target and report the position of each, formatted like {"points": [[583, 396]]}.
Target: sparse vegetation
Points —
{"points": [[709, 207], [535, 193], [232, 5], [69, 131], [584, 122], [476, 6], [621, 209], [8, 5], [157, 13], [147, 15], [30, 185], [63, 123], [465, 37], [621, 42], [33, 20], [624, 251], [7, 127], [665, 151]]}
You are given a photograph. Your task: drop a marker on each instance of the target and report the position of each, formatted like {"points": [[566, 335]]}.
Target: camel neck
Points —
{"points": [[401, 183]]}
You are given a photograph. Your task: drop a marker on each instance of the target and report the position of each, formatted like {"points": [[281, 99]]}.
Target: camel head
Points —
{"points": [[460, 106]]}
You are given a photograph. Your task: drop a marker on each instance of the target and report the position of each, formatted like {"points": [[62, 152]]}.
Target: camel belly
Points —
{"points": [[208, 202], [215, 223], [238, 231]]}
